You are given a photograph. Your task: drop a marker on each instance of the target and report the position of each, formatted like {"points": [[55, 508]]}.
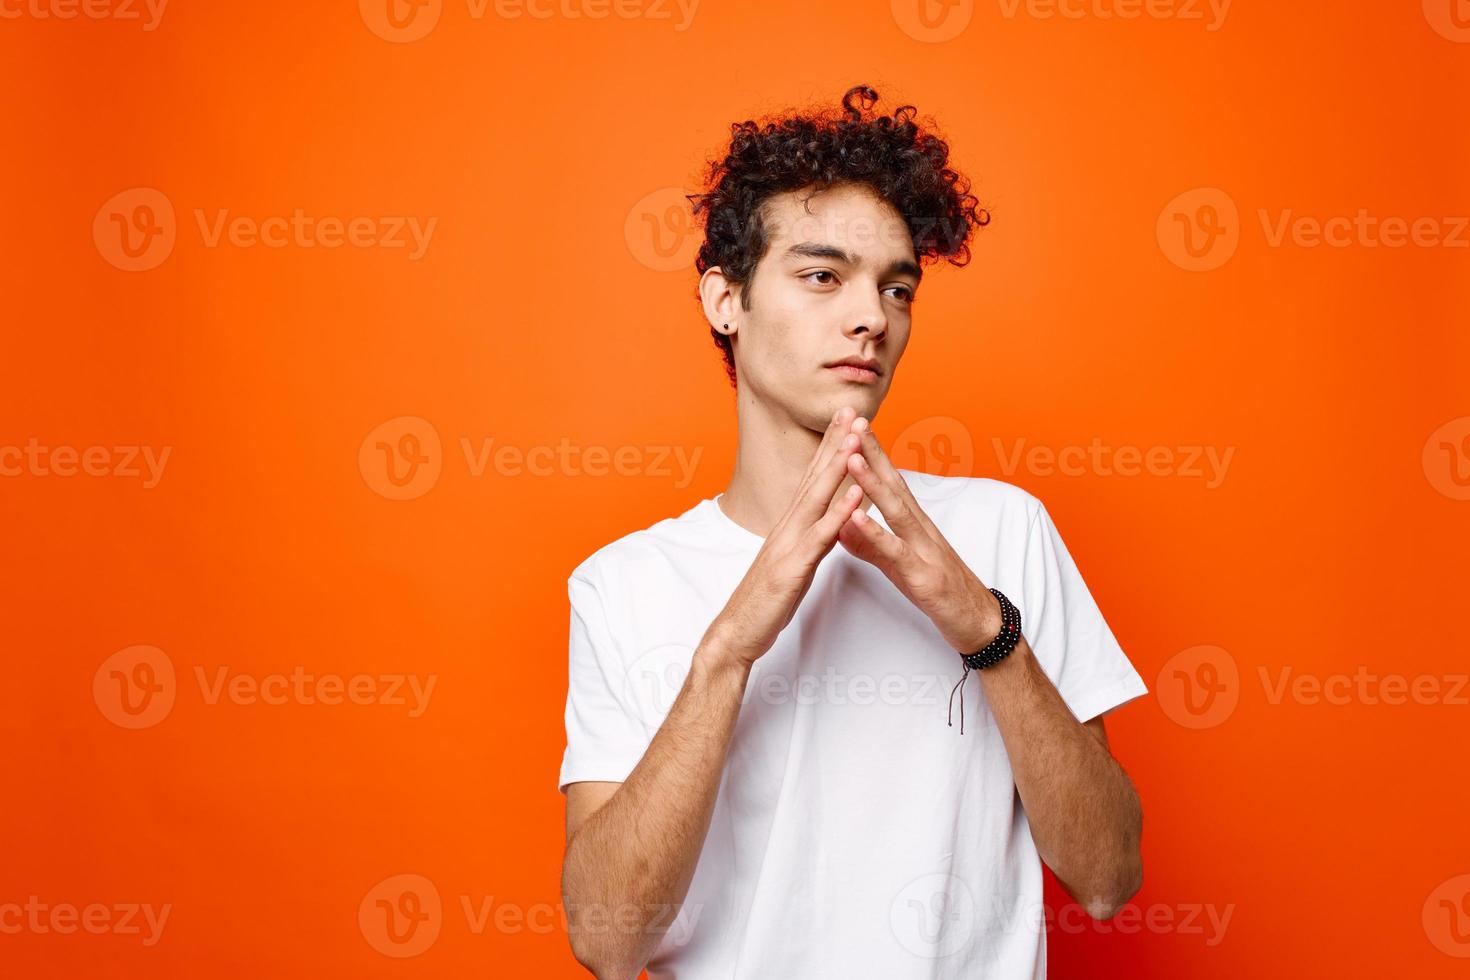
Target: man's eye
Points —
{"points": [[819, 272], [907, 294]]}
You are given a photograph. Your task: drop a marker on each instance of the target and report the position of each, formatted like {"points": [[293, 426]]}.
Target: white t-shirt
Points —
{"points": [[856, 833]]}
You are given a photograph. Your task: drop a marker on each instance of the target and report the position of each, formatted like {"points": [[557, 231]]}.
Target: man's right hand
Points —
{"points": [[766, 599]]}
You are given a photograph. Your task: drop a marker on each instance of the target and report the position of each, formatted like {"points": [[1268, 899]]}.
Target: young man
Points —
{"points": [[762, 778]]}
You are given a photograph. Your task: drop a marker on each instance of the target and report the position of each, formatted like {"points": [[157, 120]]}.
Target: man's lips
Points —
{"points": [[854, 373]]}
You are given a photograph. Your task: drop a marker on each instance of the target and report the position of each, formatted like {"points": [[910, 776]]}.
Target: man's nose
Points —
{"points": [[869, 319]]}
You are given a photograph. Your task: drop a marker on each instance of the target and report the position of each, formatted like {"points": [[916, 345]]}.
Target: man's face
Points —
{"points": [[837, 281]]}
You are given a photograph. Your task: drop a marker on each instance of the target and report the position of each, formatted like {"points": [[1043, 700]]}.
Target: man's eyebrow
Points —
{"points": [[818, 250]]}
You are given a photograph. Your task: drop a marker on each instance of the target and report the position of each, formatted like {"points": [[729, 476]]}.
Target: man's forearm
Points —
{"points": [[639, 849], [1083, 811]]}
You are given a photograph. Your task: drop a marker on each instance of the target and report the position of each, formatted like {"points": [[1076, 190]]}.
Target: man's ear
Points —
{"points": [[721, 299]]}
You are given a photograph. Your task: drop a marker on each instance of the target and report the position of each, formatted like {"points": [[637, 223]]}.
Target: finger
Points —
{"points": [[838, 427], [888, 487], [825, 531], [817, 498], [900, 514], [872, 542], [875, 455]]}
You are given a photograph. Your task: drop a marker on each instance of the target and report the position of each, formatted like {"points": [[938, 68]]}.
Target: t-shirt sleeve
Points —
{"points": [[1066, 630], [606, 735]]}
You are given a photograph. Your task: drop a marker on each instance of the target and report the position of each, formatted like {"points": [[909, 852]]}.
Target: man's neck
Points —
{"points": [[773, 454]]}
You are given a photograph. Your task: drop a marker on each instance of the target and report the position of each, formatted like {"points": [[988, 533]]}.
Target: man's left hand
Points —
{"points": [[914, 555]]}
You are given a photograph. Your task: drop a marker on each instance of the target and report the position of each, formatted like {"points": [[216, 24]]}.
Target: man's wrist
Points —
{"points": [[1005, 642], [987, 622], [718, 656]]}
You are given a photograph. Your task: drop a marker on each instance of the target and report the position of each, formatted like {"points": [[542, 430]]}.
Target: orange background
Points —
{"points": [[539, 315]]}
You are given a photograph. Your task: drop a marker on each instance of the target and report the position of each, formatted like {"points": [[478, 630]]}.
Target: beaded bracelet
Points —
{"points": [[991, 654]]}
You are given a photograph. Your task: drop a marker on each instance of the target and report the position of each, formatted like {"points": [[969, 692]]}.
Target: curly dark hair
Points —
{"points": [[906, 165]]}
